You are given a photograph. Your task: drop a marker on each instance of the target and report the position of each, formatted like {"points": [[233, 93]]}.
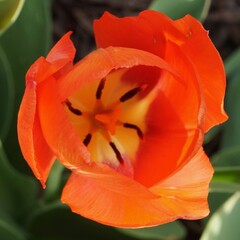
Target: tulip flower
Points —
{"points": [[128, 119]]}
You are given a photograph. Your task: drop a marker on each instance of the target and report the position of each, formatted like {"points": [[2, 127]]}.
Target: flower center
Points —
{"points": [[110, 122], [109, 119]]}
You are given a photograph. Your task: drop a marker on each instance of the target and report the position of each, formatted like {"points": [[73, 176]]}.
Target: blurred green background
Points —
{"points": [[28, 28]]}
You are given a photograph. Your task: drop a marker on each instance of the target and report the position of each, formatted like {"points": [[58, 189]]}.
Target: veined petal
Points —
{"points": [[59, 59], [145, 32], [63, 52], [33, 145], [185, 191], [174, 122], [112, 199], [104, 61], [207, 61], [116, 200], [187, 100], [60, 135], [39, 71], [163, 152]]}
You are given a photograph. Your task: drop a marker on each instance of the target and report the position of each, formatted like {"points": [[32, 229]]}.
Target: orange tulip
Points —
{"points": [[128, 119]]}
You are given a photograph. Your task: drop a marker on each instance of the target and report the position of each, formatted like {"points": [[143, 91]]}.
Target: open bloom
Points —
{"points": [[128, 120]]}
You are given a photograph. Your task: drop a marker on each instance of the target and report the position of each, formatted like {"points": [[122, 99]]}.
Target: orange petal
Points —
{"points": [[113, 199], [99, 63], [185, 191], [60, 135], [174, 122], [34, 148], [39, 71], [207, 61], [143, 32], [63, 52], [59, 59], [186, 99]]}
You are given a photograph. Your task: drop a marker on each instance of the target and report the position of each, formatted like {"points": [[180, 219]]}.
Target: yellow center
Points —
{"points": [[109, 116]]}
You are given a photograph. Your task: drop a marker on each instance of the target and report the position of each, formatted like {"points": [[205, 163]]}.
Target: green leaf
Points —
{"points": [[10, 232], [228, 157], [53, 189], [173, 230], [57, 222], [227, 174], [226, 179], [6, 94], [224, 187], [224, 224], [179, 8], [212, 134], [9, 11], [215, 200], [231, 129], [27, 39], [232, 63], [17, 192]]}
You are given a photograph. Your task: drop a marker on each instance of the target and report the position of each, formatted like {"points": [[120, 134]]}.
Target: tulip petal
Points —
{"points": [[207, 61], [58, 60], [112, 199], [63, 52], [104, 61], [141, 32], [186, 190], [39, 71], [174, 120], [34, 147], [59, 133]]}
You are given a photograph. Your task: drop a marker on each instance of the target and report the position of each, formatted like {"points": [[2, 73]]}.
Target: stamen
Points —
{"points": [[87, 139], [116, 151], [135, 127], [72, 109], [130, 94], [100, 88]]}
